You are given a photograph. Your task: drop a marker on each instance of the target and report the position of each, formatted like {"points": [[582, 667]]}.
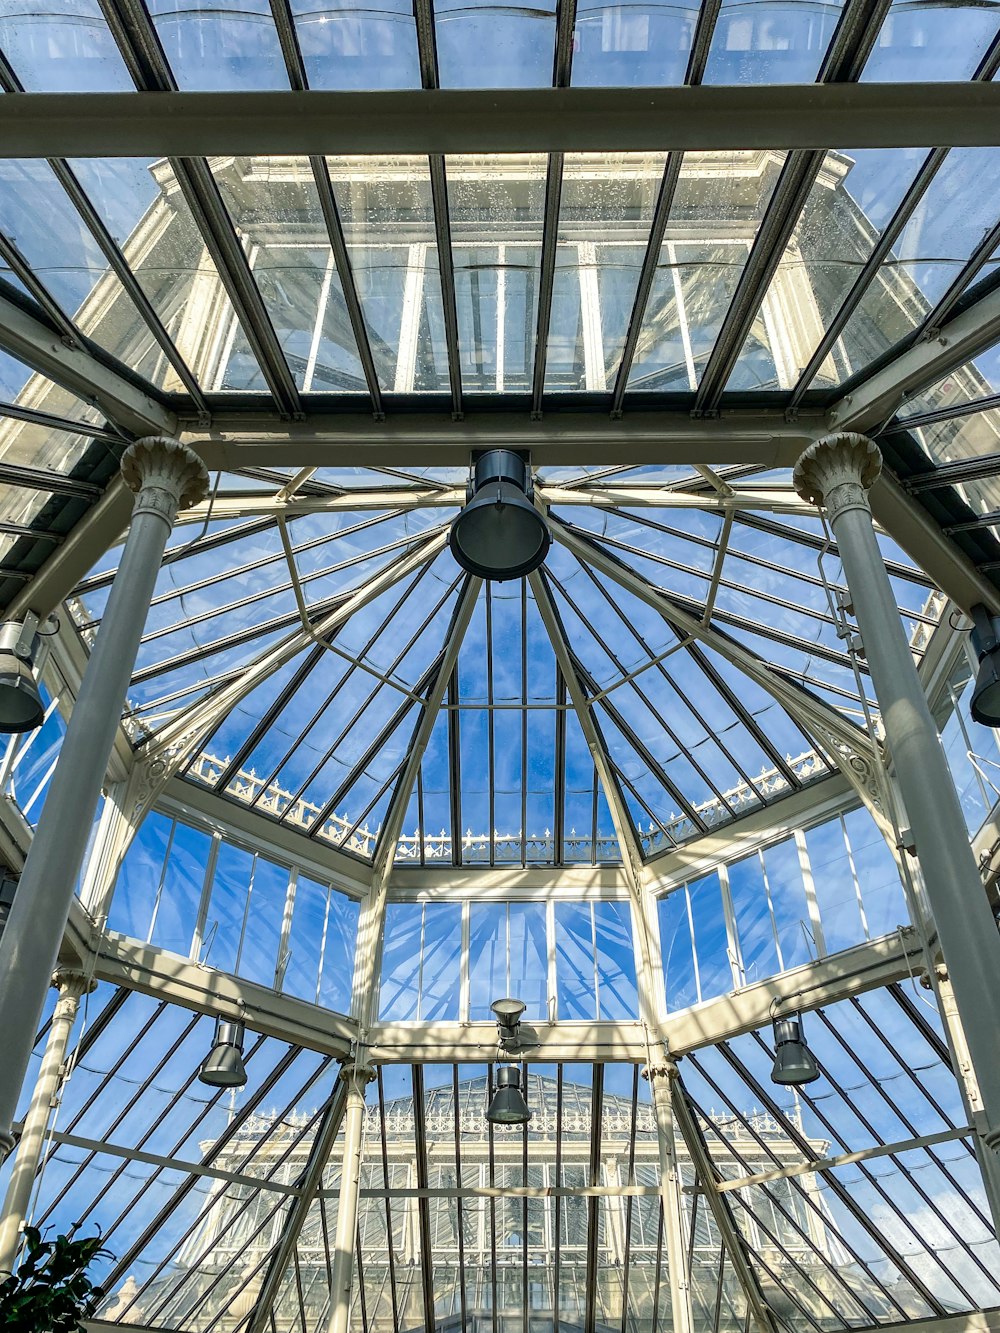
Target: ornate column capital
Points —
{"points": [[838, 471], [165, 476], [71, 981]]}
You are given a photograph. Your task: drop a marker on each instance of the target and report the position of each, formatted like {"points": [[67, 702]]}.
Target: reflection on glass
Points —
{"points": [[644, 44], [724, 195], [274, 206], [388, 219], [605, 214], [927, 42], [483, 44], [66, 47], [496, 204], [227, 45], [345, 45], [777, 41], [947, 224], [855, 195]]}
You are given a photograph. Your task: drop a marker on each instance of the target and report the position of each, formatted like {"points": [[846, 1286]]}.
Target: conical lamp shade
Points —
{"points": [[985, 703], [223, 1066], [500, 534], [794, 1062], [508, 1106]]}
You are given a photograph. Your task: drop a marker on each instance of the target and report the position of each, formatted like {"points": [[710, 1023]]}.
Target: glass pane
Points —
{"points": [[345, 45], [620, 45], [854, 197], [722, 195], [389, 222], [606, 210], [67, 47], [677, 948], [925, 42], [482, 44], [496, 205], [180, 895], [275, 208], [779, 41], [940, 235], [228, 45]]}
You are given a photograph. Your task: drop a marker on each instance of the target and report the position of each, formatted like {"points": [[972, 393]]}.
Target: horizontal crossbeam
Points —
{"points": [[437, 121]]}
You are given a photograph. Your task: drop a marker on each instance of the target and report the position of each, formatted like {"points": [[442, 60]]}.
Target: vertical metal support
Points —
{"points": [[658, 1077], [166, 476], [309, 1187], [71, 986], [706, 1177], [837, 472], [356, 1076]]}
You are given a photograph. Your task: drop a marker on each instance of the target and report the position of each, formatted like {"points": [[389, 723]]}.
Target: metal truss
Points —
{"points": [[435, 121]]}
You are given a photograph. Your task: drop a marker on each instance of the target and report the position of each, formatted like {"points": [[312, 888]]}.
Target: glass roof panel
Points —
{"points": [[349, 45], [779, 41], [606, 211], [65, 48], [70, 265], [646, 44], [929, 42], [143, 207], [720, 200], [850, 205], [948, 222], [495, 205], [227, 45], [976, 379], [274, 205], [481, 44], [388, 216]]}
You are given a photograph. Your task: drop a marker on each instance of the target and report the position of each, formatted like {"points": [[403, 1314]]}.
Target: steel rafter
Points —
{"points": [[697, 60], [423, 11], [707, 1177], [144, 57], [298, 79], [309, 1186], [561, 71]]}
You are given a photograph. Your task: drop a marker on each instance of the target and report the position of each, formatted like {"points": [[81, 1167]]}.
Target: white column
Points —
{"points": [[837, 472], [165, 475], [659, 1077], [342, 1267], [71, 986]]}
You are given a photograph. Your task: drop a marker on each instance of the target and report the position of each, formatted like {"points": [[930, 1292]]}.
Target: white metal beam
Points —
{"points": [[82, 374], [873, 402], [561, 438]]}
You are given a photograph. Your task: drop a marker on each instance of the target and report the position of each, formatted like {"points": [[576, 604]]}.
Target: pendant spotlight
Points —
{"points": [[794, 1062], [507, 1106], [223, 1066], [499, 534], [985, 704], [508, 1015], [20, 702]]}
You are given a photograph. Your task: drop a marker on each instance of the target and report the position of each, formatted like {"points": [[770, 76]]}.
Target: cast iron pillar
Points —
{"points": [[165, 476], [343, 1266], [837, 472], [71, 986]]}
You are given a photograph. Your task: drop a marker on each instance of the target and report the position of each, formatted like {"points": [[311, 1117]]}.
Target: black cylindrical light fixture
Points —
{"points": [[223, 1066], [794, 1062], [500, 534], [21, 706], [985, 703], [507, 1106]]}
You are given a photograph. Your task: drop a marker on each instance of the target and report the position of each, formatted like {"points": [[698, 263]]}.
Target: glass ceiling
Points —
{"points": [[646, 588], [524, 763]]}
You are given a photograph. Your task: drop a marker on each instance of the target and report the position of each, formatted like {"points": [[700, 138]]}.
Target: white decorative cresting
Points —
{"points": [[838, 471], [165, 475]]}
